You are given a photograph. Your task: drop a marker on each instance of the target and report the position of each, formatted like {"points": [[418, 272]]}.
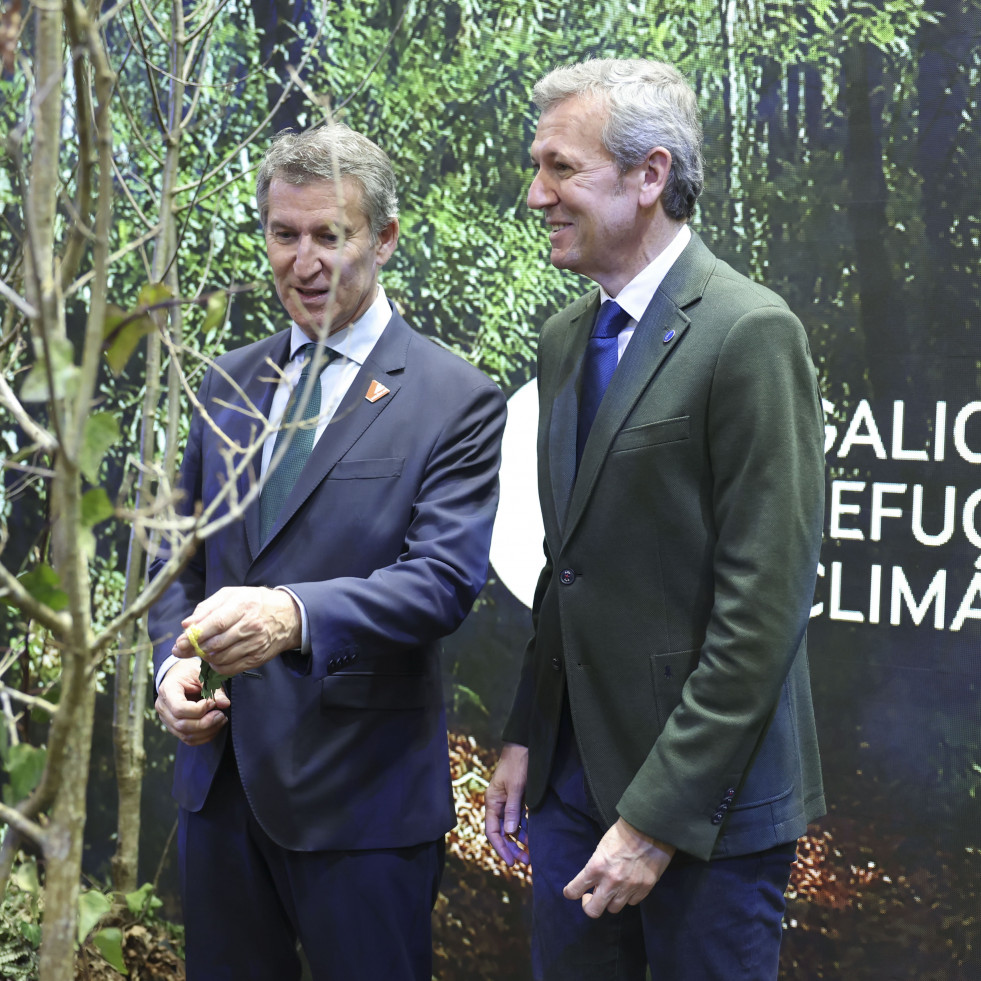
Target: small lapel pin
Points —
{"points": [[668, 336], [376, 391]]}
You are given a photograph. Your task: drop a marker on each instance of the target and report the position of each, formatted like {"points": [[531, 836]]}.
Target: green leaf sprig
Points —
{"points": [[210, 679]]}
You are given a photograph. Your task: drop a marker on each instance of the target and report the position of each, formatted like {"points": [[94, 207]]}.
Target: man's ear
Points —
{"points": [[656, 170], [387, 240]]}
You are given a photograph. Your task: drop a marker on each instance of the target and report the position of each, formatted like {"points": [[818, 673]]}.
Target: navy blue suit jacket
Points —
{"points": [[385, 540]]}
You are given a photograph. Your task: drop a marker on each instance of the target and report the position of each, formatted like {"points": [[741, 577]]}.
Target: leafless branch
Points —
{"points": [[12, 588], [22, 825], [31, 701], [17, 300]]}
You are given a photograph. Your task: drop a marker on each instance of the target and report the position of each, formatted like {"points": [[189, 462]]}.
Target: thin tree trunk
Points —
{"points": [[64, 835], [132, 661], [880, 316]]}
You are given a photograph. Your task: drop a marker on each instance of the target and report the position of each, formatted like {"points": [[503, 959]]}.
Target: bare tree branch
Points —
{"points": [[40, 436], [31, 701], [23, 825], [17, 300]]}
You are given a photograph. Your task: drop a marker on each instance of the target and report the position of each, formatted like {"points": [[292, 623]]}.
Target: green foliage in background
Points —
{"points": [[840, 143]]}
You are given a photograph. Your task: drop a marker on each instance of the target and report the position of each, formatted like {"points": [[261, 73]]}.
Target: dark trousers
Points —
{"points": [[703, 920], [247, 901]]}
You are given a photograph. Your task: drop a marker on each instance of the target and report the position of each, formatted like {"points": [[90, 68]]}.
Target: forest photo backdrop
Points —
{"points": [[839, 140]]}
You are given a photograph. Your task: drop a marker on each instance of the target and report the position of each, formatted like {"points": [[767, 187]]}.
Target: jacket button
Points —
{"points": [[567, 577], [556, 664], [717, 817]]}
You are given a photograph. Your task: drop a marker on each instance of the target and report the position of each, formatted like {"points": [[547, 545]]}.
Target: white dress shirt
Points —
{"points": [[352, 344], [638, 293]]}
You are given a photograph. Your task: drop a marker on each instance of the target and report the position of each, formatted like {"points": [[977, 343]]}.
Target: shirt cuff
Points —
{"points": [[304, 625], [165, 667]]}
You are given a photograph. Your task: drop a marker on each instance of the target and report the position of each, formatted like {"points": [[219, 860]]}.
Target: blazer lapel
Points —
{"points": [[658, 333], [353, 416], [259, 389], [557, 435]]}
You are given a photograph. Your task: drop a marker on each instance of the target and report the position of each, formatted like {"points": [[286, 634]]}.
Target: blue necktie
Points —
{"points": [[282, 479], [598, 365]]}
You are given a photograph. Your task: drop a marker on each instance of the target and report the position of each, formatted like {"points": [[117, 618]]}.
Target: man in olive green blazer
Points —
{"points": [[662, 734]]}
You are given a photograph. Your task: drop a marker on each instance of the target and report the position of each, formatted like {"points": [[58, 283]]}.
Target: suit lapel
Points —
{"points": [[353, 416], [557, 437], [658, 333], [259, 389]]}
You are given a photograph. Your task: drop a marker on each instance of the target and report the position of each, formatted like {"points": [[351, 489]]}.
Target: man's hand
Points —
{"points": [[623, 870], [190, 718], [504, 801], [242, 627]]}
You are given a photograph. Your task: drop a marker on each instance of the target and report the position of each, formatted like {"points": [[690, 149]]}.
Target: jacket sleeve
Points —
{"points": [[765, 441], [428, 591]]}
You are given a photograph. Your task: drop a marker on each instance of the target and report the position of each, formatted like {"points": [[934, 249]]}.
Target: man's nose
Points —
{"points": [[309, 257], [540, 195]]}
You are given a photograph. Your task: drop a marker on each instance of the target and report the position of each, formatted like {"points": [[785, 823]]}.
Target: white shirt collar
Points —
{"points": [[355, 341], [638, 293]]}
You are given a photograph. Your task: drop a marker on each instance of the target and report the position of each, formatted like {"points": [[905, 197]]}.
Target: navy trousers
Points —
{"points": [[247, 901], [703, 921]]}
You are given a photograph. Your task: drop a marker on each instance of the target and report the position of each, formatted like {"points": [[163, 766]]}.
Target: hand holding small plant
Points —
{"points": [[210, 679]]}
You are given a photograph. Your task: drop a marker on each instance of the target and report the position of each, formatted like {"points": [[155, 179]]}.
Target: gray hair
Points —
{"points": [[322, 154], [650, 104]]}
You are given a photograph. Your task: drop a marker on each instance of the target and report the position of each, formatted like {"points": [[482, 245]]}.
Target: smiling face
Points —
{"points": [[597, 217], [308, 237]]}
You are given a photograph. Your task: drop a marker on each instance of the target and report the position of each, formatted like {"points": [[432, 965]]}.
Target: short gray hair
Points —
{"points": [[322, 154], [650, 104]]}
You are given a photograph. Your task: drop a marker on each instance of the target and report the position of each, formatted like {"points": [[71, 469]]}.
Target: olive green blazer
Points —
{"points": [[680, 567]]}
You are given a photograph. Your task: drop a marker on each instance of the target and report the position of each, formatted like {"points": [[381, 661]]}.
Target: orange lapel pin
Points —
{"points": [[376, 391]]}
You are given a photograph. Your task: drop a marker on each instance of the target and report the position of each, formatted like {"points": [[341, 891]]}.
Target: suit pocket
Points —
{"points": [[777, 761], [362, 469], [652, 433], [670, 672], [378, 692]]}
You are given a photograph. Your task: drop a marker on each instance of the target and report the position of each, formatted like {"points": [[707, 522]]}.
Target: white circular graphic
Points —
{"points": [[516, 545]]}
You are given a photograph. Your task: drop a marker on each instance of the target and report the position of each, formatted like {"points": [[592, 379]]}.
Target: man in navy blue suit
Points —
{"points": [[314, 788]]}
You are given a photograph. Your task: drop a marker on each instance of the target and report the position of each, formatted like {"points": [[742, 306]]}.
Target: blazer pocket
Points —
{"points": [[359, 469], [652, 434], [376, 692], [670, 672]]}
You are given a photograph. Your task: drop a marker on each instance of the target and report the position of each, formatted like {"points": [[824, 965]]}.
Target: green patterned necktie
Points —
{"points": [[282, 479]]}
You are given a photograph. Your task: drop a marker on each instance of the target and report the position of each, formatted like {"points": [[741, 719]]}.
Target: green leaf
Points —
{"points": [[210, 680], [142, 900], [463, 693], [31, 932], [153, 293], [101, 432], [110, 944], [63, 372], [25, 764], [123, 331], [25, 878], [214, 311], [92, 906], [115, 318], [44, 585], [96, 507]]}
